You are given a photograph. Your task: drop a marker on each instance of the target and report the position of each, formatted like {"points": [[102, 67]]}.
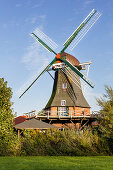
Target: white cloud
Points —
{"points": [[42, 16], [18, 5], [35, 56], [38, 4], [91, 97], [34, 19], [31, 79], [87, 2]]}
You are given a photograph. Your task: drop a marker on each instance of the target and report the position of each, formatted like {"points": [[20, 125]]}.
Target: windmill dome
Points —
{"points": [[74, 61]]}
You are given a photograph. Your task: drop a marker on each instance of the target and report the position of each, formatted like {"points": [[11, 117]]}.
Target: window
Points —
{"points": [[63, 111], [63, 102], [83, 112], [64, 85]]}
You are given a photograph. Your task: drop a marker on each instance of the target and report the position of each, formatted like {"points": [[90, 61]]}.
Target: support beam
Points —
{"points": [[72, 122], [50, 121], [84, 124], [18, 133], [50, 74]]}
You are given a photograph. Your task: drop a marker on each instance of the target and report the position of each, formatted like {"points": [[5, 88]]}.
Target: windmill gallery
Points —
{"points": [[67, 106]]}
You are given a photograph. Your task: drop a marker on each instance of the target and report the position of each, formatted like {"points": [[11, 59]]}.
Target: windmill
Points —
{"points": [[67, 97]]}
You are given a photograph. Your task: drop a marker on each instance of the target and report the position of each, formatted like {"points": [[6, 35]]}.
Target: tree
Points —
{"points": [[6, 118], [106, 116], [106, 112]]}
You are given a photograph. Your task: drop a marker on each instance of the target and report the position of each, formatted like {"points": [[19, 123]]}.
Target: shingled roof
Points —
{"points": [[73, 94], [33, 124]]}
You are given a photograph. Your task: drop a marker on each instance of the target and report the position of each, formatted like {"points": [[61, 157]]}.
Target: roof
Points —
{"points": [[72, 95], [74, 61], [33, 124], [19, 119]]}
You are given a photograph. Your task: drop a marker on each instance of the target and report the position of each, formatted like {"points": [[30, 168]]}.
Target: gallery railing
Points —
{"points": [[48, 114]]}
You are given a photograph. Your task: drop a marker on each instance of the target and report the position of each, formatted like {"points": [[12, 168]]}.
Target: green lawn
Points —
{"points": [[54, 162]]}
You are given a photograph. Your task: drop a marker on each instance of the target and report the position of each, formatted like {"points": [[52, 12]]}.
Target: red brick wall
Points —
{"points": [[79, 111], [53, 111], [87, 111], [73, 111]]}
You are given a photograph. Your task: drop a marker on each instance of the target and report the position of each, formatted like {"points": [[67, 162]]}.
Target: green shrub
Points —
{"points": [[67, 142]]}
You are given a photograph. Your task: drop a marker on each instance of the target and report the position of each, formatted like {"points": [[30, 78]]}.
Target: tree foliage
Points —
{"points": [[5, 105], [7, 136], [60, 143], [106, 112]]}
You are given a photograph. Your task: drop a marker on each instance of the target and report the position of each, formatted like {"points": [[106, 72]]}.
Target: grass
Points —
{"points": [[54, 163]]}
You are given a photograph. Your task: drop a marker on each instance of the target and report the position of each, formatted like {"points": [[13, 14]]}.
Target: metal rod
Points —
{"points": [[50, 75]]}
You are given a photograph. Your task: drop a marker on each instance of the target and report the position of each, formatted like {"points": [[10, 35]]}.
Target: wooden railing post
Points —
{"points": [[48, 114]]}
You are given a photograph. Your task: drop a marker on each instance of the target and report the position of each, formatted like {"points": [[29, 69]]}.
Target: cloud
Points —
{"points": [[38, 5], [35, 55], [91, 97], [18, 5], [31, 79], [87, 2], [42, 16], [34, 19]]}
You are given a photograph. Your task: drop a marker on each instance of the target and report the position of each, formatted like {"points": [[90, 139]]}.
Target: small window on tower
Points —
{"points": [[64, 85], [63, 102]]}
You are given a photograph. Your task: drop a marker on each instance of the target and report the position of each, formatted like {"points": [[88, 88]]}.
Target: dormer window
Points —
{"points": [[63, 102], [64, 85]]}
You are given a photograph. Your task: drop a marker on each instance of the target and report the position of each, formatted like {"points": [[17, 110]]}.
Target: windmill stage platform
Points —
{"points": [[78, 122], [70, 121]]}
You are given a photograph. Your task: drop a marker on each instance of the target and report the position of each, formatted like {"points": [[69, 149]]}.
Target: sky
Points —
{"points": [[22, 58]]}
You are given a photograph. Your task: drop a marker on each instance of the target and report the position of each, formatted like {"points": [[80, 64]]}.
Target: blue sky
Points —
{"points": [[22, 58]]}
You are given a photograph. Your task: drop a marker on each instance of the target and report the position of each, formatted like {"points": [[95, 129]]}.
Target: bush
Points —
{"points": [[66, 143]]}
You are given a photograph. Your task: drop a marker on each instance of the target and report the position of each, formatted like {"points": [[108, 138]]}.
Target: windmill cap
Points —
{"points": [[74, 61]]}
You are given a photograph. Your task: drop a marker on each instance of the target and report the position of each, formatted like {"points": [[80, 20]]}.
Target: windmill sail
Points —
{"points": [[72, 75], [81, 31], [44, 40], [38, 77], [43, 43], [78, 73]]}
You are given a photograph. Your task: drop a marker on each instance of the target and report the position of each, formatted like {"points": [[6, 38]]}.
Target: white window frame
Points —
{"points": [[62, 111], [64, 85], [63, 102]]}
